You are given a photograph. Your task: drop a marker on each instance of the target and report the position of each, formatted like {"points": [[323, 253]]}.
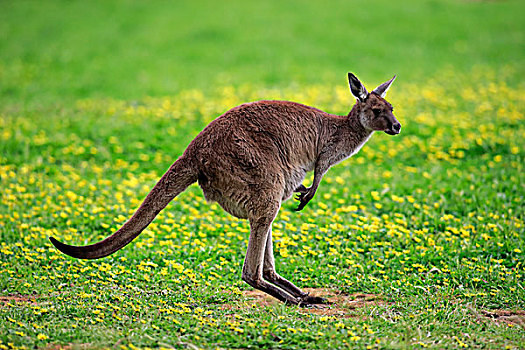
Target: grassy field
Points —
{"points": [[419, 238]]}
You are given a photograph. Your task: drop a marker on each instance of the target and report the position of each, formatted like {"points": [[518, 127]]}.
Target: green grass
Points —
{"points": [[97, 99], [129, 49]]}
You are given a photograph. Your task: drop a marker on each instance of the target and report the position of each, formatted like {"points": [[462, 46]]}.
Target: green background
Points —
{"points": [[420, 236]]}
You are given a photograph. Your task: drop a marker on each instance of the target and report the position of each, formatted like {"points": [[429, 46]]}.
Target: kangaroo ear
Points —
{"points": [[383, 88], [357, 89]]}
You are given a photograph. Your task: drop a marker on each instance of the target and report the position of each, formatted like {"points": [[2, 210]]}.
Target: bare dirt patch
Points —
{"points": [[67, 346], [341, 304], [57, 347], [5, 300], [510, 317]]}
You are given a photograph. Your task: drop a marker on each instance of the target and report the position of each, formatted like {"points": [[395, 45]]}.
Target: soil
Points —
{"points": [[341, 304], [345, 305], [510, 317], [14, 299]]}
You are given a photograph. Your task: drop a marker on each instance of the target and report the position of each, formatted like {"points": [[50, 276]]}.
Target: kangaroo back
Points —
{"points": [[178, 177]]}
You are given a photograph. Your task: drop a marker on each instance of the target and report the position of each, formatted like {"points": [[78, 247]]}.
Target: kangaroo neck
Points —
{"points": [[355, 127], [357, 136], [345, 136]]}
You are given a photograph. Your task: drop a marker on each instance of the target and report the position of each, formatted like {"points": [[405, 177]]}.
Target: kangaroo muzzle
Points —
{"points": [[394, 127]]}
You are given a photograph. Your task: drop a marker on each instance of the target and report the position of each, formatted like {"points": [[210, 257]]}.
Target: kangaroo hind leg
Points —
{"points": [[273, 277], [252, 271]]}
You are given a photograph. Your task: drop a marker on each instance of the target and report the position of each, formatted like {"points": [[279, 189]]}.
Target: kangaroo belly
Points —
{"points": [[229, 195], [230, 206]]}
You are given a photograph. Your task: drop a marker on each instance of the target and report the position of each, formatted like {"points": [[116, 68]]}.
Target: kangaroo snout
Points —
{"points": [[394, 128]]}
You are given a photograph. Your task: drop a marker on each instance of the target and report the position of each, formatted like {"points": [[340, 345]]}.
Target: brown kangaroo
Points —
{"points": [[251, 159]]}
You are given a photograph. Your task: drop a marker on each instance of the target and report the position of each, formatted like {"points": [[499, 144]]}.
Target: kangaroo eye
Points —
{"points": [[376, 111]]}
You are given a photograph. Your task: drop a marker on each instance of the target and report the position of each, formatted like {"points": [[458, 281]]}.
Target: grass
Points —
{"points": [[129, 49], [428, 224]]}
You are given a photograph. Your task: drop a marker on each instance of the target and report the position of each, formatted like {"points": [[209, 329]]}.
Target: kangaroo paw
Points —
{"points": [[301, 189], [303, 199]]}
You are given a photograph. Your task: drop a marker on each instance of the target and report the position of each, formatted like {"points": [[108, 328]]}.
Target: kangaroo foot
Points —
{"points": [[314, 300]]}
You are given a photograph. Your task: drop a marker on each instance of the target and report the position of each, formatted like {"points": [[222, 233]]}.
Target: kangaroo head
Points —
{"points": [[373, 111]]}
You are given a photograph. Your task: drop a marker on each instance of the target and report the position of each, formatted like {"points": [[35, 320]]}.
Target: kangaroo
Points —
{"points": [[250, 160]]}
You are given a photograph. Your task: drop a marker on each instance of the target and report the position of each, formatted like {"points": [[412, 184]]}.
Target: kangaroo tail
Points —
{"points": [[178, 177]]}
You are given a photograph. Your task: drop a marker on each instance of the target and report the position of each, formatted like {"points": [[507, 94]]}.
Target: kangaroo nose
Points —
{"points": [[396, 127]]}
